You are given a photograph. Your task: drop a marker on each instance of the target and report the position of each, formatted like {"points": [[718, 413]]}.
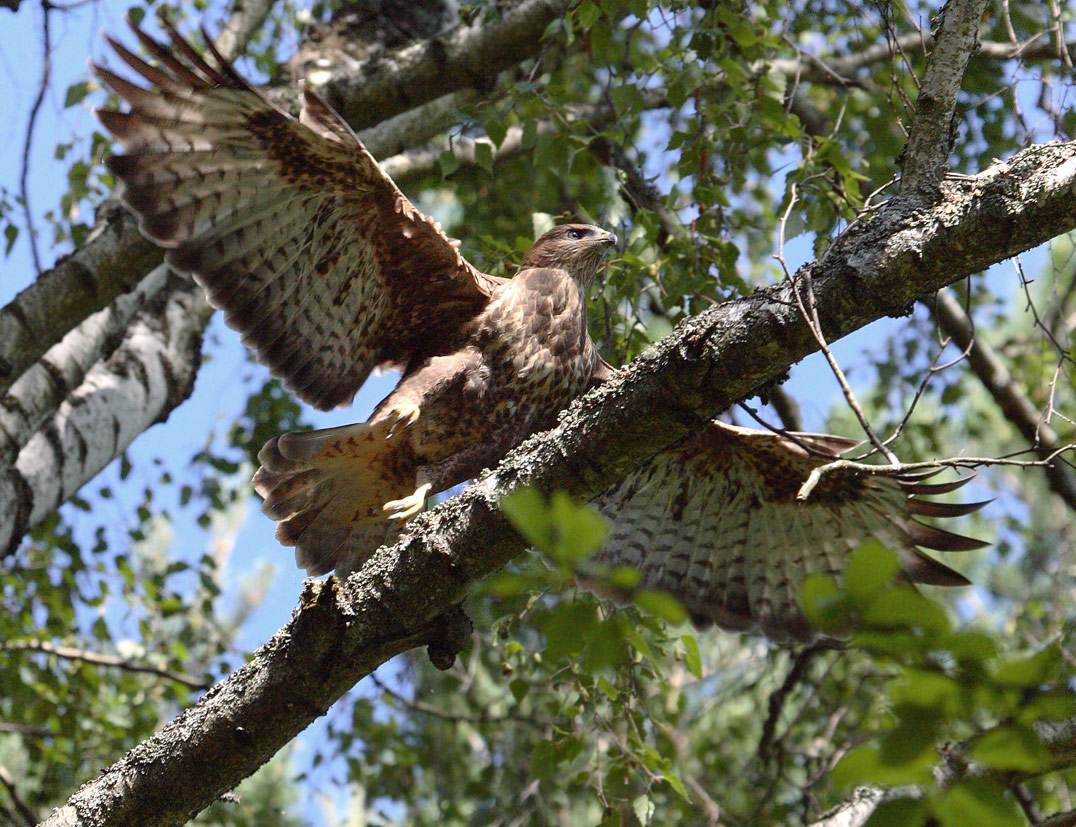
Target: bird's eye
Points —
{"points": [[576, 234]]}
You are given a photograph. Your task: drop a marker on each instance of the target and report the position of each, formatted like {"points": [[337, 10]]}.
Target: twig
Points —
{"points": [[98, 659], [46, 72], [1066, 819], [1027, 803], [25, 812], [1006, 392], [908, 467], [780, 695], [814, 324], [484, 718], [24, 729]]}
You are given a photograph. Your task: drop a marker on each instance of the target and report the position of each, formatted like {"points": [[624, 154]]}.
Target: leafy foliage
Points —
{"points": [[681, 126]]}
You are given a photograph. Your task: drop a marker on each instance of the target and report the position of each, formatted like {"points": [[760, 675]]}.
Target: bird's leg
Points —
{"points": [[406, 508]]}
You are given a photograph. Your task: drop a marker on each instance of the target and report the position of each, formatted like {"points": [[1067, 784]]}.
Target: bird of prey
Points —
{"points": [[328, 271]]}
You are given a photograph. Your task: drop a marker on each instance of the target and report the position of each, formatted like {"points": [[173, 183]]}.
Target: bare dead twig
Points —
{"points": [[909, 467], [24, 174], [809, 312]]}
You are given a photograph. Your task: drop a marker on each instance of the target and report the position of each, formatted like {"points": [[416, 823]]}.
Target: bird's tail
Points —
{"points": [[328, 491]]}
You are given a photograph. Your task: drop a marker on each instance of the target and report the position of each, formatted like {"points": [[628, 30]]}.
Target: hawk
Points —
{"points": [[328, 271]]}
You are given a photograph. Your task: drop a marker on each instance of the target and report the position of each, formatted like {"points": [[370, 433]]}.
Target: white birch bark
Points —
{"points": [[40, 390], [139, 385]]}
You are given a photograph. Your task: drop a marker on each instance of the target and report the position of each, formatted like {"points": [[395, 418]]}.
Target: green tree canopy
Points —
{"points": [[781, 174]]}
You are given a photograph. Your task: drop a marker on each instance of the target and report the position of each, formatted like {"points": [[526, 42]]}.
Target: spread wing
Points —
{"points": [[715, 522], [322, 264]]}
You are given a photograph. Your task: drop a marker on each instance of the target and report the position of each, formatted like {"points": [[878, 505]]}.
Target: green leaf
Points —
{"points": [[904, 607], [824, 603], [909, 740], [76, 93], [899, 812], [1049, 705], [526, 509], [977, 802], [644, 809], [865, 766], [928, 692], [605, 647], [519, 689], [660, 604], [871, 567], [449, 163], [580, 530], [496, 129], [970, 646], [483, 155], [1011, 748], [674, 781], [1038, 669], [567, 627], [692, 656]]}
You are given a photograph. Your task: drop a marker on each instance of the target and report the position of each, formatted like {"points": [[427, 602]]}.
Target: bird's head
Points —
{"points": [[578, 248]]}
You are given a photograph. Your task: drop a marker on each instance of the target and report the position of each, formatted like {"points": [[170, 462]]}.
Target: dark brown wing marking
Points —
{"points": [[715, 522], [316, 257]]}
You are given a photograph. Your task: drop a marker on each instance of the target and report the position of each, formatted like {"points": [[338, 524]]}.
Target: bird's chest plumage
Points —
{"points": [[533, 338]]}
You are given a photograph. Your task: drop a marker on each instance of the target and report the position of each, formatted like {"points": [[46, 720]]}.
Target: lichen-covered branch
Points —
{"points": [[468, 57], [341, 632], [931, 140]]}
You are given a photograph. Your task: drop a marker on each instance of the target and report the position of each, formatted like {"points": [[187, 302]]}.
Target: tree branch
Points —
{"points": [[121, 397], [926, 156], [342, 631], [1006, 391], [468, 57], [28, 816], [41, 389], [99, 659]]}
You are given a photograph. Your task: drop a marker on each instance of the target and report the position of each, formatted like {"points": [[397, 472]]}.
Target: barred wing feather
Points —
{"points": [[715, 522], [316, 257]]}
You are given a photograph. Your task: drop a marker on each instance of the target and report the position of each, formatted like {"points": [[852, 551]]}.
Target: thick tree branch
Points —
{"points": [[342, 631], [111, 262], [931, 140], [40, 390], [121, 397], [469, 57]]}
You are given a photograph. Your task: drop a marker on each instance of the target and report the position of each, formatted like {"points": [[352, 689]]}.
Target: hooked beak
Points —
{"points": [[608, 238]]}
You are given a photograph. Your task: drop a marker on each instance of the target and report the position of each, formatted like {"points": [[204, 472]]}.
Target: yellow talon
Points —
{"points": [[406, 508], [406, 415]]}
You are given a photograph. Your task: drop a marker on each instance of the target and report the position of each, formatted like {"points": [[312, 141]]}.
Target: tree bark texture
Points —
{"points": [[120, 398], [341, 631]]}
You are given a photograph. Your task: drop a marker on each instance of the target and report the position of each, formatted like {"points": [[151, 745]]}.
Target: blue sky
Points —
{"points": [[220, 393]]}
